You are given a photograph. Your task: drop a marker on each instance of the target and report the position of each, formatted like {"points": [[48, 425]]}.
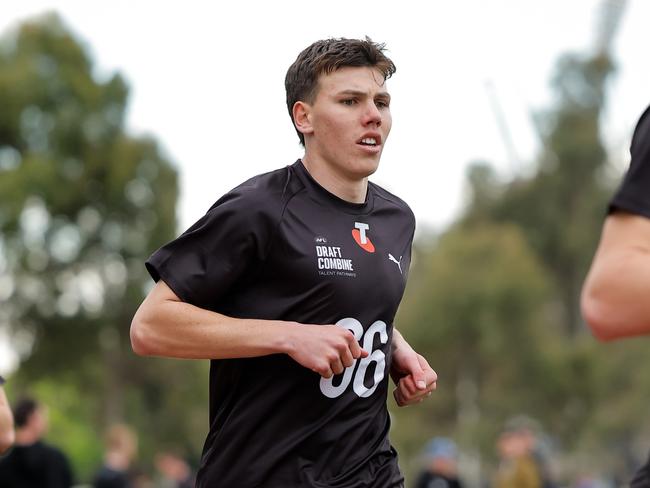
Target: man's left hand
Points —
{"points": [[412, 374]]}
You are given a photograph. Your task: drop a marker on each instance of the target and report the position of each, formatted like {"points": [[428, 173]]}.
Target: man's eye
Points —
{"points": [[382, 104], [348, 101]]}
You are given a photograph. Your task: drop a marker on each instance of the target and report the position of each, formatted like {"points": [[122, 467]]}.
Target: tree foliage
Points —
{"points": [[561, 208], [493, 302], [82, 204], [476, 307]]}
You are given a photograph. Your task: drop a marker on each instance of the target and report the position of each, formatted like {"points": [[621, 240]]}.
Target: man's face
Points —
{"points": [[349, 121], [516, 444], [38, 421]]}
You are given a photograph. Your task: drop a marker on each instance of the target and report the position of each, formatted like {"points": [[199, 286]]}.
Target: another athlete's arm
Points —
{"points": [[411, 373], [166, 326], [616, 294], [6, 423]]}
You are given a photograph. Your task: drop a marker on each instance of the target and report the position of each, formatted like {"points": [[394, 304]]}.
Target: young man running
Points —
{"points": [[290, 284], [615, 296]]}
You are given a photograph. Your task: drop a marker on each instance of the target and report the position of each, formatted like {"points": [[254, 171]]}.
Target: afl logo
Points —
{"points": [[360, 237]]}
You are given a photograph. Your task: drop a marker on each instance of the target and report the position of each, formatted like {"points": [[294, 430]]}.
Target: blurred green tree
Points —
{"points": [[493, 303], [475, 306], [82, 204], [561, 207]]}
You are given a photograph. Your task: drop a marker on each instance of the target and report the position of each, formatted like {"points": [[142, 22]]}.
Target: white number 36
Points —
{"points": [[377, 356]]}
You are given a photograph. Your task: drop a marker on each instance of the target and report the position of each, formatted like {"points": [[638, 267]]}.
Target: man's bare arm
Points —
{"points": [[616, 294], [166, 326], [6, 423]]}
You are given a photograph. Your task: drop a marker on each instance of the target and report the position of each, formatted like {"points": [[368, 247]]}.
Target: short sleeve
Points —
{"points": [[204, 263], [634, 194]]}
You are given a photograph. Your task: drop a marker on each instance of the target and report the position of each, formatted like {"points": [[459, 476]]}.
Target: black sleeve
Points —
{"points": [[634, 194], [642, 476], [205, 261]]}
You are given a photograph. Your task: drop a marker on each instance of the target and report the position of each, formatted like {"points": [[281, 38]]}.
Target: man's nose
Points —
{"points": [[372, 115]]}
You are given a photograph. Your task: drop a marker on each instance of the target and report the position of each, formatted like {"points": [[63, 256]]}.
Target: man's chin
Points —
{"points": [[369, 168]]}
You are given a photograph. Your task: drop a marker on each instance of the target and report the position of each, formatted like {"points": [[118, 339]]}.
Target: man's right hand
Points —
{"points": [[325, 349]]}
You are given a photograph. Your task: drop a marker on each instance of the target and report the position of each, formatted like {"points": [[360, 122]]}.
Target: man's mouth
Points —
{"points": [[368, 141]]}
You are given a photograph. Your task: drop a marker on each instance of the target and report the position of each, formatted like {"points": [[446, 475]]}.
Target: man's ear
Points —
{"points": [[302, 117]]}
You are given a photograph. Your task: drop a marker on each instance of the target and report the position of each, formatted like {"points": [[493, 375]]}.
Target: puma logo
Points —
{"points": [[398, 263]]}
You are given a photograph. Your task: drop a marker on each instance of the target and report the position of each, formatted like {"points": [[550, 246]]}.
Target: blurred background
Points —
{"points": [[122, 122]]}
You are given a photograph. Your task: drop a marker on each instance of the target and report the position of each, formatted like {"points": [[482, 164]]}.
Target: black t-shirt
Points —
{"points": [[281, 247], [108, 477], [38, 465], [634, 196], [434, 480], [641, 478]]}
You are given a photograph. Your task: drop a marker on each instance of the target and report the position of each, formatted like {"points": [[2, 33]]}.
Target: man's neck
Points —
{"points": [[348, 189], [26, 437], [117, 460]]}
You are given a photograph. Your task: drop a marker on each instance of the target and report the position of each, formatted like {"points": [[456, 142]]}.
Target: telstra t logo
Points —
{"points": [[361, 238]]}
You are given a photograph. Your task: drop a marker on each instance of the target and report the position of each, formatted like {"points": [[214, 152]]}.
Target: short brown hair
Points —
{"points": [[23, 410], [327, 56]]}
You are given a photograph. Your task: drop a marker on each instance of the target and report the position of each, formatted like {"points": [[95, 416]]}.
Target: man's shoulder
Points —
{"points": [[267, 192], [642, 129], [52, 451], [39, 450], [269, 180], [391, 199], [645, 117]]}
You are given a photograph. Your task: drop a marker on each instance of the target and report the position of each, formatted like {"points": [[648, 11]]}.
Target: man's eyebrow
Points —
{"points": [[359, 93]]}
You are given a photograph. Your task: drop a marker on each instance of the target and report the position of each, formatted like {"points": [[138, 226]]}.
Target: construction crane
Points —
{"points": [[607, 25], [611, 13]]}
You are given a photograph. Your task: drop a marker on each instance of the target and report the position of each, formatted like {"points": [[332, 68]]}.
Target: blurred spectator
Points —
{"points": [[140, 478], [175, 471], [6, 421], [440, 457], [587, 481], [121, 447], [518, 465], [32, 463]]}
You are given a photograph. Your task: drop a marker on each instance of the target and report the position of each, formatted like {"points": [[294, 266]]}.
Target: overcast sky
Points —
{"points": [[207, 80]]}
